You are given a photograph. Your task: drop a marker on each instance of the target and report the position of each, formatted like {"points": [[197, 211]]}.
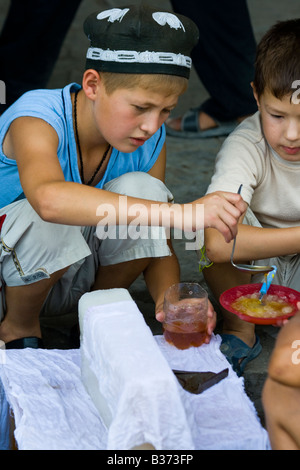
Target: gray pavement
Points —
{"points": [[190, 163]]}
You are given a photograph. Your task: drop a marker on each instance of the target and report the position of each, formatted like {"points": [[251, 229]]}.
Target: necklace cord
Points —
{"points": [[79, 148]]}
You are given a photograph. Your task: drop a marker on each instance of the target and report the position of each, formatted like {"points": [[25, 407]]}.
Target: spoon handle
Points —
{"points": [[233, 247]]}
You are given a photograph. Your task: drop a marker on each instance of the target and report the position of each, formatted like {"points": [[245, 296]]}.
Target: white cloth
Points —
{"points": [[51, 407], [53, 410], [222, 417]]}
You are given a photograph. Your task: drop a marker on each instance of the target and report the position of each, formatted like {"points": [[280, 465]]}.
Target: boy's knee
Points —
{"points": [[34, 249], [56, 236], [140, 184]]}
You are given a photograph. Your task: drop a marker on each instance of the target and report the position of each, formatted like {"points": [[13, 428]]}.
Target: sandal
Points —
{"points": [[190, 127], [22, 343], [238, 353]]}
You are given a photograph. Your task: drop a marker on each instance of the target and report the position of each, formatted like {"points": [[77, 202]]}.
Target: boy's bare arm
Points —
{"points": [[159, 168], [284, 365], [253, 243], [33, 143]]}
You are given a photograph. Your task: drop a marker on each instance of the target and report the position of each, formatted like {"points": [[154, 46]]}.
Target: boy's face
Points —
{"points": [[281, 124], [128, 117]]}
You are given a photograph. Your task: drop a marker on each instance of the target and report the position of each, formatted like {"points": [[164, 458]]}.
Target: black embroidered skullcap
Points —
{"points": [[140, 39]]}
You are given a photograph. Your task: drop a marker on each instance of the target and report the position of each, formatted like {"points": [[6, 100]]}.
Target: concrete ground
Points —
{"points": [[189, 168]]}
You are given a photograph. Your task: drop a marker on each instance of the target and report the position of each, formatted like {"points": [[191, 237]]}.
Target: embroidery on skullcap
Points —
{"points": [[114, 14], [163, 18], [140, 39]]}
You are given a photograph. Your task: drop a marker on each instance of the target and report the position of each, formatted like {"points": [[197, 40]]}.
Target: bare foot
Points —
{"points": [[247, 336], [9, 332], [205, 122]]}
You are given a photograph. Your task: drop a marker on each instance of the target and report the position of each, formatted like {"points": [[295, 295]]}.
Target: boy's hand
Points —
{"points": [[211, 321], [222, 211]]}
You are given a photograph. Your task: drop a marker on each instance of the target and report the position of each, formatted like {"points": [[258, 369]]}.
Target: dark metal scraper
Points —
{"points": [[197, 382]]}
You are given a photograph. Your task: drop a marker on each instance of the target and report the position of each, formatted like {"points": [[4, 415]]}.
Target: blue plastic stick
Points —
{"points": [[267, 282]]}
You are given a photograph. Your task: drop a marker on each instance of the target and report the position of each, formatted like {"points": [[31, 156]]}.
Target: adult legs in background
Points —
{"points": [[223, 59], [30, 42]]}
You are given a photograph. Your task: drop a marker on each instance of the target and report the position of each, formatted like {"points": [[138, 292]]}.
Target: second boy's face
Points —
{"points": [[127, 118], [281, 125]]}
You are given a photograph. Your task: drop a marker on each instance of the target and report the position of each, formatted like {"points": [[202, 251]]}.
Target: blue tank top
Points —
{"points": [[55, 107]]}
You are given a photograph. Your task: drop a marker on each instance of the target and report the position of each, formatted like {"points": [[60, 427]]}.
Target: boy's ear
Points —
{"points": [[90, 82], [255, 94]]}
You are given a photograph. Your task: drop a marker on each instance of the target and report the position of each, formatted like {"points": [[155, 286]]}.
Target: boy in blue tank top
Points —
{"points": [[83, 203]]}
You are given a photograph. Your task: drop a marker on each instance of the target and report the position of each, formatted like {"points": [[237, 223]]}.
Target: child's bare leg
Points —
{"points": [[282, 410], [120, 275], [23, 306], [219, 278], [281, 393]]}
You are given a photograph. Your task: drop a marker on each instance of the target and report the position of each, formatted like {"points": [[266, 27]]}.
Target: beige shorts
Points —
{"points": [[288, 267], [32, 249]]}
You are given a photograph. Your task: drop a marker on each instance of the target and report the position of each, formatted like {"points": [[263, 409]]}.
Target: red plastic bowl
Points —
{"points": [[290, 295]]}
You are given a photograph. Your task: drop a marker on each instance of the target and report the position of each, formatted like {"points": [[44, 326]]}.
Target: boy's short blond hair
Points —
{"points": [[278, 59], [170, 84]]}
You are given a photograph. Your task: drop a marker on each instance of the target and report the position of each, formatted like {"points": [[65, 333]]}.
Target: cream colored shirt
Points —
{"points": [[271, 185]]}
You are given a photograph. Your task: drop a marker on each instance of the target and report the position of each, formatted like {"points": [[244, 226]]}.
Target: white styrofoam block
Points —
{"points": [[127, 376], [87, 301]]}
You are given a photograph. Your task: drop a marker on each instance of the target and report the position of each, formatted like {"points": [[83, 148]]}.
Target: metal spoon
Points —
{"points": [[252, 268]]}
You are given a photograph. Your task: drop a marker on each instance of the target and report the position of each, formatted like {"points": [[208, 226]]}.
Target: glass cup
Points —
{"points": [[185, 309]]}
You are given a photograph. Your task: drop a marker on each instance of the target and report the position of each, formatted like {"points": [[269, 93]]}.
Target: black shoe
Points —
{"points": [[22, 343]]}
